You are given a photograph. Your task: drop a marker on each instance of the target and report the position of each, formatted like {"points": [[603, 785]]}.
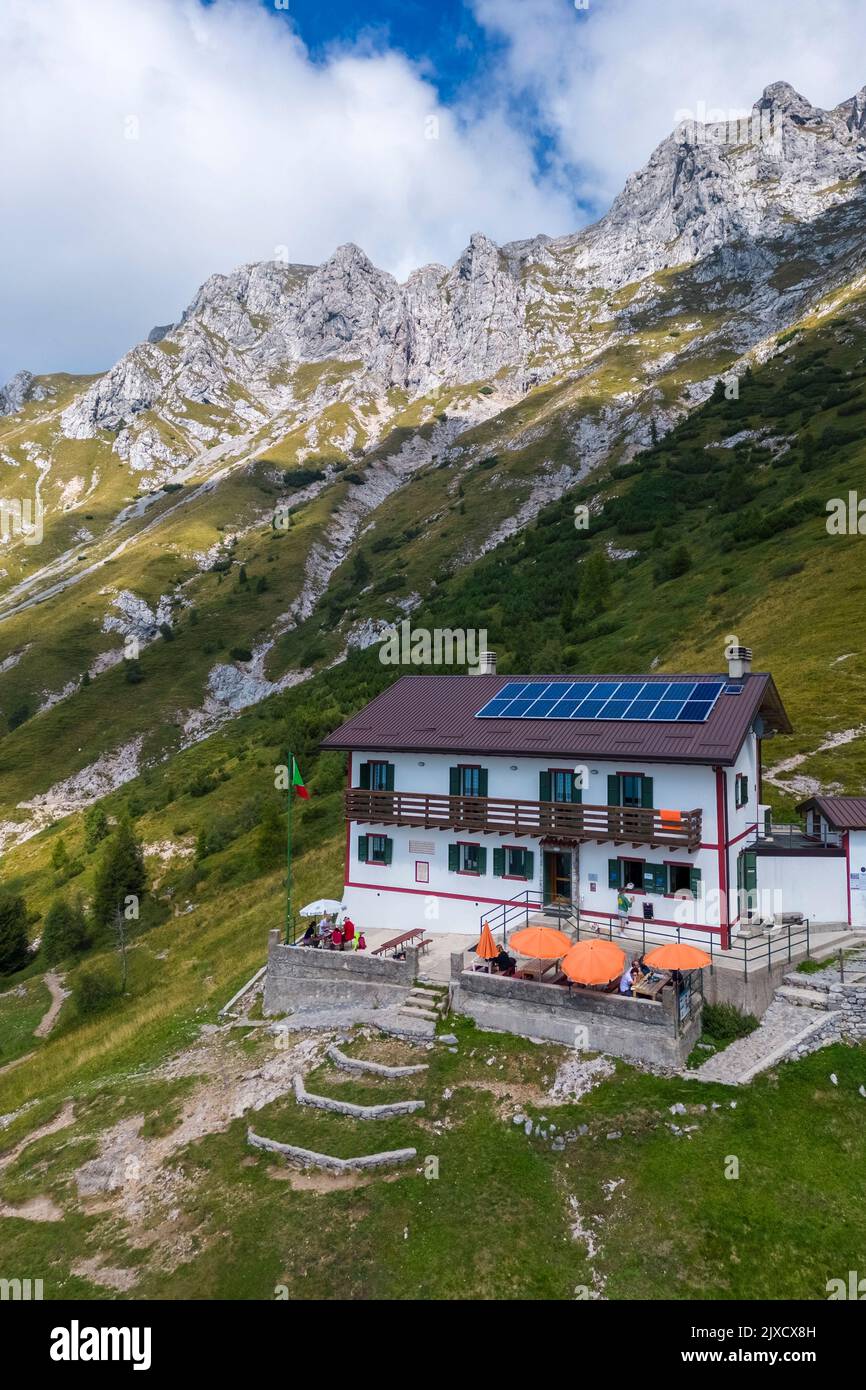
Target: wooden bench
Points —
{"points": [[425, 944], [406, 939]]}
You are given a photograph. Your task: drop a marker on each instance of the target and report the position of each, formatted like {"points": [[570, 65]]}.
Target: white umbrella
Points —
{"points": [[320, 906]]}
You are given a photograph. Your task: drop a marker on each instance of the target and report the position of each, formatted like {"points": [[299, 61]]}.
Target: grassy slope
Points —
{"points": [[741, 581]]}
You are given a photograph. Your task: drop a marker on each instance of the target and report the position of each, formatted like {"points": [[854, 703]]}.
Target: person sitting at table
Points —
{"points": [[642, 966], [336, 938], [323, 928], [349, 933], [309, 936], [505, 964]]}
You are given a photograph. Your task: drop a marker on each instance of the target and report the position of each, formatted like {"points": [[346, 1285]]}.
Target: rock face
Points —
{"points": [[16, 393], [497, 310]]}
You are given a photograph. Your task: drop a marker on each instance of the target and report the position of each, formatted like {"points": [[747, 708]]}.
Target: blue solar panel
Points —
{"points": [[674, 702]]}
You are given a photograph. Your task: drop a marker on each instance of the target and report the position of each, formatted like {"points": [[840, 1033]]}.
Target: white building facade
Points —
{"points": [[442, 837]]}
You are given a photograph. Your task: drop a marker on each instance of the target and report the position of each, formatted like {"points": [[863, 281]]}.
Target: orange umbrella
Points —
{"points": [[541, 943], [677, 956], [594, 962], [487, 947]]}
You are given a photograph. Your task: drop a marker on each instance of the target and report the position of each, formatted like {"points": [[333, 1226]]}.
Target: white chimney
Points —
{"points": [[739, 662], [486, 664]]}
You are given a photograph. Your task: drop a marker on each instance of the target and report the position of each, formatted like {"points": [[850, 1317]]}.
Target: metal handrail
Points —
{"points": [[751, 952]]}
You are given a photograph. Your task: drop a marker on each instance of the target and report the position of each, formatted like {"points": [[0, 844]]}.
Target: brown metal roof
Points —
{"points": [[841, 812], [436, 714]]}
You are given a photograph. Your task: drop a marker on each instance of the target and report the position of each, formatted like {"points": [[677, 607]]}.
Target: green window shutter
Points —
{"points": [[695, 881], [614, 790], [482, 781], [655, 878], [646, 791], [661, 878], [577, 792], [529, 863], [750, 871], [365, 776], [454, 781], [389, 845], [544, 791], [453, 857], [362, 848], [389, 777], [498, 862], [482, 860], [613, 880]]}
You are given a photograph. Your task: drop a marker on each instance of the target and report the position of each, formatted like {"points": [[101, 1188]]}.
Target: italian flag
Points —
{"points": [[298, 781]]}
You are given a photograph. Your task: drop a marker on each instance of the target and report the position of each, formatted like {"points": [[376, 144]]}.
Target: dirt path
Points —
{"points": [[58, 994]]}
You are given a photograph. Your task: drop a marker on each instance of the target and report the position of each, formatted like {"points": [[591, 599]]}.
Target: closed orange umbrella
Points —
{"points": [[541, 943], [487, 948], [677, 956], [594, 962]]}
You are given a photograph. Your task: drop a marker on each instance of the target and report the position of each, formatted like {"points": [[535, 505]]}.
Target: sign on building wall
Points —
{"points": [[422, 847]]}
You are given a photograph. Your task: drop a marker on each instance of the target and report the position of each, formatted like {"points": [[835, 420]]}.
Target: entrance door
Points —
{"points": [[557, 876]]}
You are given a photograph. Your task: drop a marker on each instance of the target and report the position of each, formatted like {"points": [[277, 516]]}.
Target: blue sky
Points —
{"points": [[151, 143]]}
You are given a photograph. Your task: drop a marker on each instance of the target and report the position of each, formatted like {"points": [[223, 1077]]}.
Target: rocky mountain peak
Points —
{"points": [[784, 99]]}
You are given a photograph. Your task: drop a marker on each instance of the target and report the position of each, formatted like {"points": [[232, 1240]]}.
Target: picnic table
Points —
{"points": [[407, 938], [649, 986], [536, 969]]}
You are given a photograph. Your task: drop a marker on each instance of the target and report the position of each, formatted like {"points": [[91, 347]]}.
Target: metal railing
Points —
{"points": [[558, 820], [751, 953]]}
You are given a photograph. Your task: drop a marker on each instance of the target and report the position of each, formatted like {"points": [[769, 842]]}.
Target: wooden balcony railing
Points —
{"points": [[486, 815]]}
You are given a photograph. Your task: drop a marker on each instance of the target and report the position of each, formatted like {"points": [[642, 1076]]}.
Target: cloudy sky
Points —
{"points": [[148, 143]]}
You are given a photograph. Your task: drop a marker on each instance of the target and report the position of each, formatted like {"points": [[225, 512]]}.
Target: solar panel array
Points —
{"points": [[678, 702]]}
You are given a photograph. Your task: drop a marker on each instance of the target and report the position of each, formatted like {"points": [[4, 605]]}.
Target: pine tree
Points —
{"points": [[270, 837], [95, 827], [120, 874], [64, 932], [14, 947], [595, 582]]}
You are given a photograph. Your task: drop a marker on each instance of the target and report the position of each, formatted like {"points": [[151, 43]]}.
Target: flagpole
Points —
{"points": [[289, 931]]}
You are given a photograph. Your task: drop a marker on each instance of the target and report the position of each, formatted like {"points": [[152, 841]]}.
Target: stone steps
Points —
{"points": [[804, 998], [411, 1011]]}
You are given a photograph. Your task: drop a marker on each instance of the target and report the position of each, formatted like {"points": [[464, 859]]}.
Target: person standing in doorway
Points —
{"points": [[623, 907]]}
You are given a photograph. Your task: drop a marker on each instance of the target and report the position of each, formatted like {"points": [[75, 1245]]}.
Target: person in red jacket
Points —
{"points": [[362, 945], [349, 933], [337, 938]]}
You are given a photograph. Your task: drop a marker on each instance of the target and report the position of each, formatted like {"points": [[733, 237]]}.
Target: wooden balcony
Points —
{"points": [[555, 820]]}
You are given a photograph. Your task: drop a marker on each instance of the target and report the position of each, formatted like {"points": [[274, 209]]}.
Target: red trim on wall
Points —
{"points": [[348, 822], [654, 921], [848, 871], [461, 897], [721, 819]]}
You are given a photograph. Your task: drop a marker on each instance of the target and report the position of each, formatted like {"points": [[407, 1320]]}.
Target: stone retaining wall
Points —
{"points": [[373, 1068], [308, 1158], [301, 977], [845, 1022], [356, 1112], [637, 1029]]}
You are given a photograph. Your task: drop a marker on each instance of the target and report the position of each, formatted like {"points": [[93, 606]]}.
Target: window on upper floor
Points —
{"points": [[629, 789], [467, 779], [377, 776], [741, 790]]}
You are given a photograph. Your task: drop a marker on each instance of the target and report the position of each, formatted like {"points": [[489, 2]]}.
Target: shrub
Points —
{"points": [[241, 654], [95, 827], [18, 716], [725, 1022], [94, 990]]}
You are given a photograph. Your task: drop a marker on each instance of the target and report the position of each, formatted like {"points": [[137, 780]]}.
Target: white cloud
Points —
{"points": [[242, 144], [610, 81], [148, 145]]}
